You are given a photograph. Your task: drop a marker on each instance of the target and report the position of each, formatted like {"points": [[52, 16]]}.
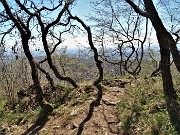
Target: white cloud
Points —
{"points": [[76, 42]]}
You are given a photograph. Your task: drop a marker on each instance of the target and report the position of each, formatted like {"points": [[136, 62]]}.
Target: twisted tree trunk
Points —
{"points": [[25, 36], [167, 45]]}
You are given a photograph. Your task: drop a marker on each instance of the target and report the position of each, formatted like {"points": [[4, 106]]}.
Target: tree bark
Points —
{"points": [[25, 36], [34, 69], [93, 48], [167, 45], [52, 66], [44, 31], [162, 32]]}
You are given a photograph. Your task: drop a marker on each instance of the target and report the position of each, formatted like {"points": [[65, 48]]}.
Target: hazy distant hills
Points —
{"points": [[81, 52]]}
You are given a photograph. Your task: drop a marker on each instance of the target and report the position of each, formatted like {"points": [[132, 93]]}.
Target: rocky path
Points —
{"points": [[104, 120]]}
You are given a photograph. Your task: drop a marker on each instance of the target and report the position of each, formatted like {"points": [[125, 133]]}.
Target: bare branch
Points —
{"points": [[98, 62], [136, 8]]}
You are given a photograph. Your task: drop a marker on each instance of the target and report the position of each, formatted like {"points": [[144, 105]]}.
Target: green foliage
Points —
{"points": [[59, 111], [62, 94], [143, 110], [79, 69], [23, 104], [9, 117]]}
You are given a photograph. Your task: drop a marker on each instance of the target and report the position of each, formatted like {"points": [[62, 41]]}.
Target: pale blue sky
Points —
{"points": [[81, 9]]}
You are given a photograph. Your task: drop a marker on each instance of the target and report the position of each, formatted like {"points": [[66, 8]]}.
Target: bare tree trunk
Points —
{"points": [[34, 69], [49, 78], [165, 42], [25, 36], [93, 48], [52, 66], [170, 95]]}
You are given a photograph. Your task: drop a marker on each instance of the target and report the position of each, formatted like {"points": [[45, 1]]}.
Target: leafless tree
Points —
{"points": [[109, 22], [33, 23], [167, 45], [119, 35]]}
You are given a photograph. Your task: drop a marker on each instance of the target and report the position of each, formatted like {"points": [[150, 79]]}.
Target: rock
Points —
{"points": [[73, 113], [74, 126], [108, 103], [56, 127]]}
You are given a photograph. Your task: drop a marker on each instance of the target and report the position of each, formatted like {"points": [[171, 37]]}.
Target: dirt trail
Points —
{"points": [[104, 120]]}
